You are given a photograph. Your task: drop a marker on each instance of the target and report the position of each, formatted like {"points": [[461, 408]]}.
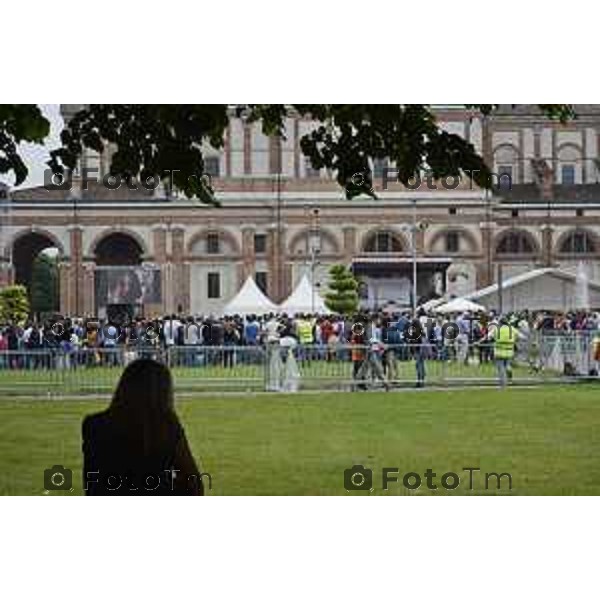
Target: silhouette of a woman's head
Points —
{"points": [[143, 403]]}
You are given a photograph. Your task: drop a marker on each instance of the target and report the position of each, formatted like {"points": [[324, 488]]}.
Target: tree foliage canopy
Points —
{"points": [[152, 140], [14, 305], [342, 297], [44, 285]]}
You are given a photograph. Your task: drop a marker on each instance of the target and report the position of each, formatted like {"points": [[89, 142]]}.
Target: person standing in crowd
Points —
{"points": [[33, 345], [390, 356], [192, 338], [251, 331], [358, 354], [3, 348], [170, 327], [327, 337], [110, 334], [505, 337], [464, 323], [230, 339], [304, 329], [420, 349], [372, 368]]}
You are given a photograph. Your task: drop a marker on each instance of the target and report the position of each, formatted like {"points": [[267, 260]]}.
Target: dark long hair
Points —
{"points": [[143, 406]]}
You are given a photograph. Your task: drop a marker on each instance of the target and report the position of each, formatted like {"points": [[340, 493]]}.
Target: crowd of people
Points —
{"points": [[373, 341]]}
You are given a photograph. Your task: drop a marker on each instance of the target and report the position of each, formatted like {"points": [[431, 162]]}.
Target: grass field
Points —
{"points": [[546, 438]]}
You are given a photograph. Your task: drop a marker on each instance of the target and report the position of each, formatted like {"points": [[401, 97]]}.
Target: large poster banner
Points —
{"points": [[128, 285]]}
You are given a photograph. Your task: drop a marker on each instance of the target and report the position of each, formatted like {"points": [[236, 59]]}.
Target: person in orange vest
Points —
{"points": [[358, 355]]}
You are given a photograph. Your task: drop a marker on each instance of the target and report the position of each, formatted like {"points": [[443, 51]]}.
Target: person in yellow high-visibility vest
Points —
{"points": [[304, 331], [505, 337]]}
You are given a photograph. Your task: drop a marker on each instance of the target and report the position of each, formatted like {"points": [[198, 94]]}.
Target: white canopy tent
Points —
{"points": [[249, 301], [304, 299], [431, 304], [459, 305], [548, 288]]}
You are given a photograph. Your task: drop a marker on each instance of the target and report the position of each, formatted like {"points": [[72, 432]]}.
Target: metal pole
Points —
{"points": [[414, 258], [5, 229], [500, 307], [76, 257], [279, 258], [312, 282], [488, 222]]}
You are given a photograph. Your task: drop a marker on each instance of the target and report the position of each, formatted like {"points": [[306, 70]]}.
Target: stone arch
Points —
{"points": [[23, 249], [228, 237], [505, 152], [566, 237], [569, 154], [521, 240], [52, 237], [569, 151], [371, 233], [472, 240], [118, 248], [508, 154], [329, 242], [105, 233]]}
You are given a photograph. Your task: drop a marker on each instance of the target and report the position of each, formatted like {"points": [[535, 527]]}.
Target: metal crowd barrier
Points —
{"points": [[540, 357]]}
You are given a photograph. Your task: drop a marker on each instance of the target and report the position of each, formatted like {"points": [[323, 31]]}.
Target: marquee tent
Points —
{"points": [[304, 299], [548, 288], [249, 301], [459, 305]]}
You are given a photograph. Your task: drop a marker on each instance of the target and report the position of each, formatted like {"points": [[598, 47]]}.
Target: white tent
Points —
{"points": [[431, 304], [249, 301], [304, 299], [547, 288], [459, 305]]}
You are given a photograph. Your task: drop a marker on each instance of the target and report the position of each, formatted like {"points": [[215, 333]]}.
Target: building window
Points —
{"points": [[260, 243], [261, 281], [515, 243], [579, 242], [579, 212], [505, 177], [514, 213], [383, 241], [211, 166], [214, 285], [452, 241], [567, 174], [213, 245], [452, 211]]}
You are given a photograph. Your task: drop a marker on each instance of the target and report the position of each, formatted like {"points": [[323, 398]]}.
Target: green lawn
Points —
{"points": [[546, 437]]}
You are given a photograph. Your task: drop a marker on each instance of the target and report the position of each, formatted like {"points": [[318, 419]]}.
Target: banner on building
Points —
{"points": [[128, 285]]}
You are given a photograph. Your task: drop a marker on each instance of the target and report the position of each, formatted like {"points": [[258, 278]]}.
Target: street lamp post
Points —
{"points": [[414, 258], [415, 227], [313, 243], [5, 223]]}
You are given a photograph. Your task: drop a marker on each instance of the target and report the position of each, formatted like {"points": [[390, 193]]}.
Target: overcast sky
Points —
{"points": [[34, 155]]}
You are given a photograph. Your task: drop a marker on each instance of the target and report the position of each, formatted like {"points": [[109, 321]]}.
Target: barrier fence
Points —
{"points": [[540, 358]]}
